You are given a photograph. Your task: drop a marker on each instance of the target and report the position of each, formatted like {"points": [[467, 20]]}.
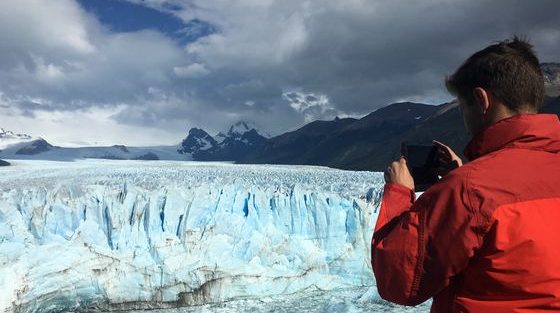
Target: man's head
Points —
{"points": [[497, 82]]}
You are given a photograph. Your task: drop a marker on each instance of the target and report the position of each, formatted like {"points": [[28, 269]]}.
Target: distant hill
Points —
{"points": [[35, 147], [372, 142], [40, 149], [343, 143], [356, 144]]}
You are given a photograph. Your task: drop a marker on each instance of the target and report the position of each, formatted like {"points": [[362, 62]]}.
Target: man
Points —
{"points": [[486, 237]]}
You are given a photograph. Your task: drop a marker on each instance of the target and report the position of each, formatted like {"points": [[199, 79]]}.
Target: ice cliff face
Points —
{"points": [[153, 234]]}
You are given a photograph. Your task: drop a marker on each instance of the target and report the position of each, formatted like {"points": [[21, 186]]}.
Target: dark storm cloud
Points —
{"points": [[364, 55], [407, 49], [277, 63]]}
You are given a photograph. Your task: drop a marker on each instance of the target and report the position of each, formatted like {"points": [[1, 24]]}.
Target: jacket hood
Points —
{"points": [[523, 131]]}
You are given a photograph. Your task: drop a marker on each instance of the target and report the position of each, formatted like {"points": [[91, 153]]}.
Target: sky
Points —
{"points": [[143, 72]]}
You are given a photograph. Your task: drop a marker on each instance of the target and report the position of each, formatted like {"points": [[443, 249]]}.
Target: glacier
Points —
{"points": [[106, 234]]}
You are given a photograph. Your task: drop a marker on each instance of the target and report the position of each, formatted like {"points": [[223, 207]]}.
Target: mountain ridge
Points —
{"points": [[372, 142], [240, 139], [367, 143]]}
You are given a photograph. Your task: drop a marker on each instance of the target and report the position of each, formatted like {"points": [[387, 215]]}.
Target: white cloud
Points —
{"points": [[312, 106], [92, 126], [47, 73], [194, 70], [57, 28], [54, 49], [252, 34], [57, 60]]}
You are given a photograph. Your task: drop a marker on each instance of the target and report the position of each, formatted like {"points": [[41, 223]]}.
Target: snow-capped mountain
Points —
{"points": [[240, 128], [220, 137], [240, 139], [197, 140], [551, 72], [18, 146], [34, 147], [9, 138], [41, 150], [22, 144]]}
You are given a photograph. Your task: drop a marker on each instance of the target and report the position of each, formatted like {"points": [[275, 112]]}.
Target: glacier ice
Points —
{"points": [[352, 300], [144, 234]]}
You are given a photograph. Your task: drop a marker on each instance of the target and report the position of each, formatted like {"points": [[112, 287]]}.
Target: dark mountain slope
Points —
{"points": [[373, 141]]}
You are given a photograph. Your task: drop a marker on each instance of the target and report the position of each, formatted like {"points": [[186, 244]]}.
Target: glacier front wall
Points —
{"points": [[104, 235]]}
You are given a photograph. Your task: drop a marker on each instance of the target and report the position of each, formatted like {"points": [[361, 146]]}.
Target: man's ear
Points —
{"points": [[481, 99]]}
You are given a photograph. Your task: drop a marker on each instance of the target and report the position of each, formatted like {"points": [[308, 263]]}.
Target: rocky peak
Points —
{"points": [[8, 138], [11, 135], [35, 147], [551, 72], [197, 140], [238, 129]]}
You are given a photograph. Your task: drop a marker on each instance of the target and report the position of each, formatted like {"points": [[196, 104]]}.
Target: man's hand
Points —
{"points": [[447, 158], [398, 173]]}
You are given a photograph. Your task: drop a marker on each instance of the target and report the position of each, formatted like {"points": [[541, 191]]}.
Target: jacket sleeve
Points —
{"points": [[418, 246]]}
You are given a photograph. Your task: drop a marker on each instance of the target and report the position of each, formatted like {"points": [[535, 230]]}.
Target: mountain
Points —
{"points": [[551, 105], [6, 135], [22, 144], [197, 140], [551, 72], [19, 146], [4, 163], [300, 146], [345, 143], [35, 147], [241, 138], [372, 142], [242, 127], [8, 138]]}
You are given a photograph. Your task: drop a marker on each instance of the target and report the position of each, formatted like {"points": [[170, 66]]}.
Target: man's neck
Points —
{"points": [[501, 112]]}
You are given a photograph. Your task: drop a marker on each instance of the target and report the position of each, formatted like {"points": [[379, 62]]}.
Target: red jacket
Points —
{"points": [[485, 238]]}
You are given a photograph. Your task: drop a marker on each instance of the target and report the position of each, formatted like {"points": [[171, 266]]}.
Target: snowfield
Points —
{"points": [[108, 234]]}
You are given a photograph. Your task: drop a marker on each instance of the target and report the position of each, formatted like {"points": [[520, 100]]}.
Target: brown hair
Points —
{"points": [[509, 69]]}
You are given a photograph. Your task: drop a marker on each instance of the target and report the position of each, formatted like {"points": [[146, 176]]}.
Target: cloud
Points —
{"points": [[244, 59], [360, 54], [194, 70], [58, 51], [95, 124], [311, 106]]}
